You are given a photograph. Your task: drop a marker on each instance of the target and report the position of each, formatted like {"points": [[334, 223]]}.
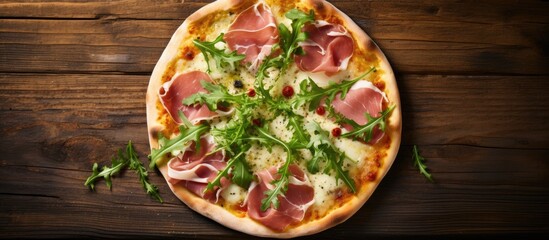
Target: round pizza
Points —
{"points": [[277, 118]]}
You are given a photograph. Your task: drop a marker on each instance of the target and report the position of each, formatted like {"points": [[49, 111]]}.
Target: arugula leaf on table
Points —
{"points": [[138, 167], [419, 162], [122, 161], [221, 58], [311, 93], [324, 151], [117, 164], [366, 131]]}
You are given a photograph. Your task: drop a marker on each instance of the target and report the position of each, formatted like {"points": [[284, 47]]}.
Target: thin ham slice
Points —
{"points": [[363, 97], [328, 48], [194, 168], [180, 87], [253, 33], [293, 205]]}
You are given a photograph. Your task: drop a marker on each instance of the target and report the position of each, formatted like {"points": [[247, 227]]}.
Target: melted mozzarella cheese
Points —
{"points": [[234, 194], [324, 188]]}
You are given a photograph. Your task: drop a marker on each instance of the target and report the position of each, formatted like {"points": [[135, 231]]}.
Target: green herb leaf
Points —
{"points": [[366, 131], [117, 164], [221, 58], [180, 142], [216, 94], [325, 152], [419, 162], [288, 44], [120, 162], [311, 93], [138, 167], [280, 184]]}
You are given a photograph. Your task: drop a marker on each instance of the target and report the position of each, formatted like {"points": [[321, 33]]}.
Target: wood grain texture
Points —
{"points": [[473, 79]]}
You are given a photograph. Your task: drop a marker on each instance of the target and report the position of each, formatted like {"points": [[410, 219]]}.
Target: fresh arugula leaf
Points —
{"points": [[366, 131], [300, 137], [220, 56], [419, 162], [280, 184], [117, 164], [239, 169], [180, 142], [138, 167], [122, 161], [324, 151], [288, 44], [216, 94], [311, 93]]}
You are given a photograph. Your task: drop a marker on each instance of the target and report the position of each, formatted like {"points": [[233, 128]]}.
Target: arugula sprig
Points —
{"points": [[187, 133], [130, 160], [231, 139], [216, 94], [419, 162], [325, 152], [311, 93], [221, 57], [365, 132], [289, 42], [280, 184]]}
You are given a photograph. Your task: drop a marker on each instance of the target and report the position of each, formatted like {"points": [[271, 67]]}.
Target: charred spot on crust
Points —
{"points": [[154, 133], [371, 45], [188, 53], [338, 219], [319, 6]]}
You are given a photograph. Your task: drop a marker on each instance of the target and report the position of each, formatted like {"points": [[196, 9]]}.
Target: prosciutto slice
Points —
{"points": [[328, 48], [194, 168], [253, 33], [363, 97], [180, 87], [293, 205]]}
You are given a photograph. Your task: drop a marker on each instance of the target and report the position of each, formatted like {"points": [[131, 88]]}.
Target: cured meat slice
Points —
{"points": [[180, 87], [363, 97], [195, 167], [293, 205], [328, 48], [253, 33]]}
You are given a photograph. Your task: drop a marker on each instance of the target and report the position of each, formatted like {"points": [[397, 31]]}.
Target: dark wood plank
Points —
{"points": [[489, 179], [485, 11], [484, 43]]}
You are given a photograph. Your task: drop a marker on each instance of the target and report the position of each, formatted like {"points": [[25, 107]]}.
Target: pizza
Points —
{"points": [[276, 118]]}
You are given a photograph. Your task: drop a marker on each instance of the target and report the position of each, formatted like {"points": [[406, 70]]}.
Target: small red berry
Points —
{"points": [[320, 110], [336, 132], [256, 122], [251, 92], [288, 91]]}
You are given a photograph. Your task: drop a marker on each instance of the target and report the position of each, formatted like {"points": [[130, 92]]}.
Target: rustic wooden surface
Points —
{"points": [[473, 77]]}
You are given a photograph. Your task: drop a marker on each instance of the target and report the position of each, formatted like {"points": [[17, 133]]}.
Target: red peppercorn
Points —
{"points": [[251, 92], [288, 91], [336, 132], [256, 122], [320, 110]]}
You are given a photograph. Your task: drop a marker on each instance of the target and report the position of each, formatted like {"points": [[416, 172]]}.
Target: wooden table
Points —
{"points": [[473, 78]]}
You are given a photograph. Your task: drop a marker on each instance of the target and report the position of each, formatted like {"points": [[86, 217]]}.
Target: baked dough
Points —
{"points": [[155, 121]]}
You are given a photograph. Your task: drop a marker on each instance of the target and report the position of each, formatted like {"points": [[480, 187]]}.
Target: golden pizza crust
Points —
{"points": [[245, 224]]}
